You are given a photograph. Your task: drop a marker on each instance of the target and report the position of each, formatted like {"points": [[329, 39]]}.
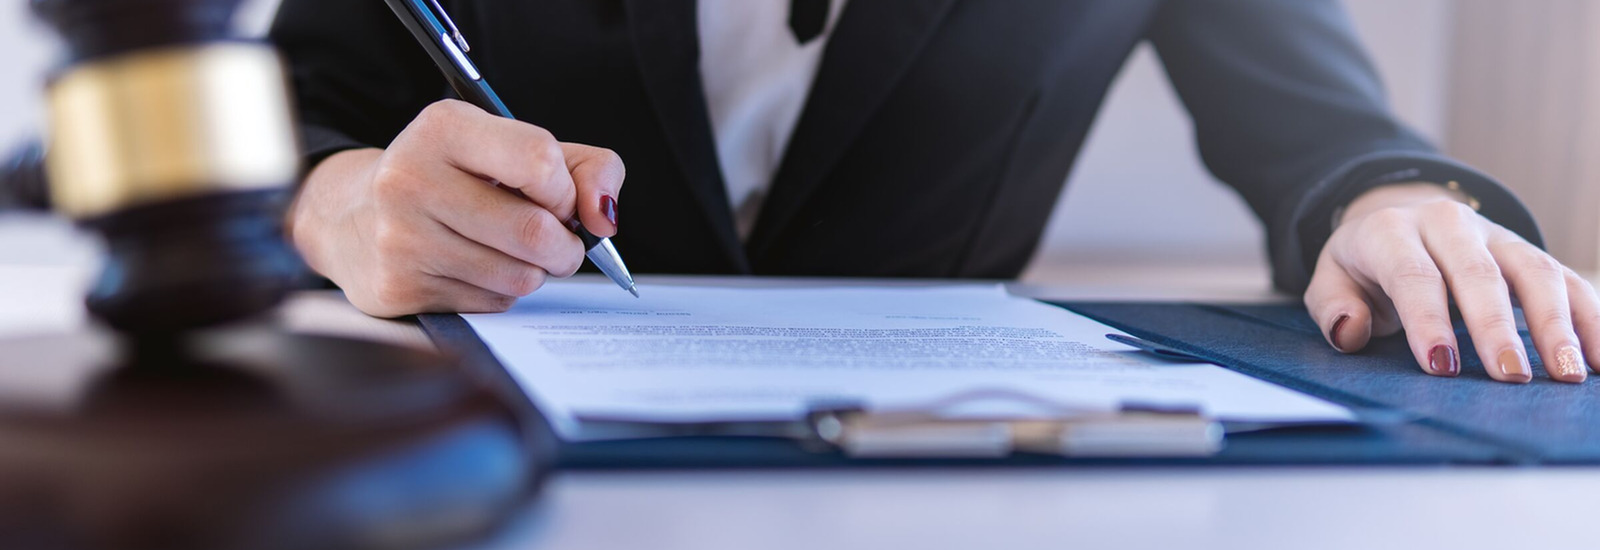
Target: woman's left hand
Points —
{"points": [[1401, 252]]}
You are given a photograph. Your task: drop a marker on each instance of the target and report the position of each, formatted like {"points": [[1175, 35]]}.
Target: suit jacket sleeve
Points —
{"points": [[1289, 111], [358, 75]]}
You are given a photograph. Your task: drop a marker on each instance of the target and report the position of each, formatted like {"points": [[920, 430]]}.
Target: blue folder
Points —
{"points": [[1542, 422], [1466, 420]]}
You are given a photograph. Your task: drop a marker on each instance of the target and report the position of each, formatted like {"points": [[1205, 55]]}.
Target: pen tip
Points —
{"points": [[634, 290]]}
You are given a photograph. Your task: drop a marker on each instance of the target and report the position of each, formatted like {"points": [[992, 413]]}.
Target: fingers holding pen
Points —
{"points": [[421, 226], [504, 222], [408, 271], [549, 182], [516, 154], [487, 269]]}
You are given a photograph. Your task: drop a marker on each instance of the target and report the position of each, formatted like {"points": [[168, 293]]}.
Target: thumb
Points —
{"points": [[1339, 306], [597, 173]]}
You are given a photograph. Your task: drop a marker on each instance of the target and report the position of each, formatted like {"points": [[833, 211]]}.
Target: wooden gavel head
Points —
{"points": [[174, 140]]}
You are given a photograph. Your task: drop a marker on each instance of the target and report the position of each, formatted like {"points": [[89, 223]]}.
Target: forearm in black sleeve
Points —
{"points": [[358, 75], [1289, 111]]}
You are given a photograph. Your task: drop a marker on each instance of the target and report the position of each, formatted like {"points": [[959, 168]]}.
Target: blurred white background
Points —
{"points": [[1139, 195]]}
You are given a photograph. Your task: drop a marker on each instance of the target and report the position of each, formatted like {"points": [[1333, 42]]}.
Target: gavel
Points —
{"points": [[190, 419], [173, 141]]}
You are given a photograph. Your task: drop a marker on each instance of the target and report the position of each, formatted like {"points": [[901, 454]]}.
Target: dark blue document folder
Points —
{"points": [[1541, 422], [1466, 420]]}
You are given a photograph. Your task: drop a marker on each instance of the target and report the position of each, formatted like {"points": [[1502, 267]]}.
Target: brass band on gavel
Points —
{"points": [[181, 121]]}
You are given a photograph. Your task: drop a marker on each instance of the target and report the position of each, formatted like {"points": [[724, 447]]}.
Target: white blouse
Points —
{"points": [[756, 78]]}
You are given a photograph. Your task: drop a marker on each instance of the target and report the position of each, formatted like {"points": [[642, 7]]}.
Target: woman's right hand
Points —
{"points": [[422, 227]]}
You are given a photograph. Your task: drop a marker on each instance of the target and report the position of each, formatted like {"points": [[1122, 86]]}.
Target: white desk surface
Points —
{"points": [[43, 271]]}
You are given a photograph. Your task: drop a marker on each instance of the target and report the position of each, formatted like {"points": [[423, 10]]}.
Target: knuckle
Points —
{"points": [[1552, 320], [524, 281], [391, 240], [1574, 278], [1477, 270], [541, 134], [386, 171], [549, 147], [1431, 320], [1543, 265], [542, 174], [1449, 211], [1416, 272], [394, 292], [1550, 317], [547, 158], [1579, 289], [534, 227], [392, 183], [1498, 322], [441, 114], [385, 237], [430, 119], [543, 146], [1590, 321]]}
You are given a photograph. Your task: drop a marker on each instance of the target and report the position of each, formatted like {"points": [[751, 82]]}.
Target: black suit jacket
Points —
{"points": [[938, 133]]}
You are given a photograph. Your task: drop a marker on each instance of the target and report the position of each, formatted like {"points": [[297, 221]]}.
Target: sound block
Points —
{"points": [[250, 438]]}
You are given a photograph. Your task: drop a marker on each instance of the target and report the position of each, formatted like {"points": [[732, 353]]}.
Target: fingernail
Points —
{"points": [[608, 206], [1514, 366], [1443, 361], [1333, 333], [1569, 364]]}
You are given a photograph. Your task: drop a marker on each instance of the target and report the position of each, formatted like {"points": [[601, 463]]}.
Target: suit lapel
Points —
{"points": [[873, 45], [667, 44]]}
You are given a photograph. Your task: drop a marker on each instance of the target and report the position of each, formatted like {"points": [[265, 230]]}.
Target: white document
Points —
{"points": [[688, 354]]}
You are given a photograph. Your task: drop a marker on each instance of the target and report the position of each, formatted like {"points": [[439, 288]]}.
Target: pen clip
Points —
{"points": [[455, 32]]}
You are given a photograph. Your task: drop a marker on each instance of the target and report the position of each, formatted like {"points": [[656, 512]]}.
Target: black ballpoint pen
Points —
{"points": [[432, 26]]}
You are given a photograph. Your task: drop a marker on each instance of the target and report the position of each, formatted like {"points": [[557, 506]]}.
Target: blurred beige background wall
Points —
{"points": [[1525, 105], [1139, 194]]}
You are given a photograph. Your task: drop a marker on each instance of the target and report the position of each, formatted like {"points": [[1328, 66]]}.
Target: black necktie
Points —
{"points": [[806, 18]]}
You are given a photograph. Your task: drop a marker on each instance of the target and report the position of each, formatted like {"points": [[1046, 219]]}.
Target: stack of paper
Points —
{"points": [[691, 354]]}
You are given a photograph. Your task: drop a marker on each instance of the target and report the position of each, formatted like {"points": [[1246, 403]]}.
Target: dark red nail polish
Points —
{"points": [[608, 206], [1333, 334], [1442, 360]]}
